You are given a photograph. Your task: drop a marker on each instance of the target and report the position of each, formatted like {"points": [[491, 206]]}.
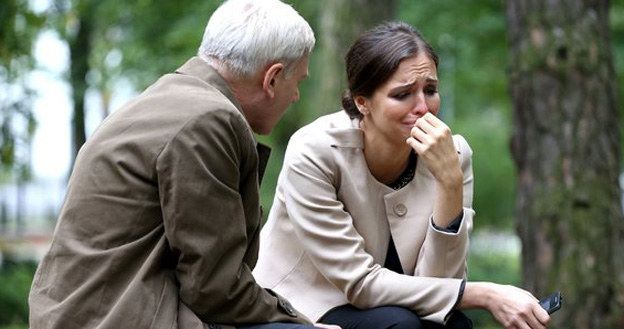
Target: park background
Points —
{"points": [[67, 64]]}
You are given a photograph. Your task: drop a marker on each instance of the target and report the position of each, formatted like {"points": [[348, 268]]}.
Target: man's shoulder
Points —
{"points": [[190, 95]]}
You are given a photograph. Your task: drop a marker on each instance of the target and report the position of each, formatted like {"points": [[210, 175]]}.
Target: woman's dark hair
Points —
{"points": [[376, 55]]}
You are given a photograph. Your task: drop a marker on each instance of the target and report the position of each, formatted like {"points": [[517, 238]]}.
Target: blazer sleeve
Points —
{"points": [[443, 253], [325, 229], [205, 225]]}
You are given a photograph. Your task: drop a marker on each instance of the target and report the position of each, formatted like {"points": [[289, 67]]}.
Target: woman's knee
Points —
{"points": [[402, 318], [459, 320]]}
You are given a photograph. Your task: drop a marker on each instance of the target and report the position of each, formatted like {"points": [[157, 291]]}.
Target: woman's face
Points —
{"points": [[410, 93]]}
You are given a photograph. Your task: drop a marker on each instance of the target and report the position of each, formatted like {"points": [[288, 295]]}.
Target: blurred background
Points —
{"points": [[511, 73]]}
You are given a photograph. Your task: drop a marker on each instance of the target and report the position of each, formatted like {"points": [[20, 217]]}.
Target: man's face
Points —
{"points": [[286, 92]]}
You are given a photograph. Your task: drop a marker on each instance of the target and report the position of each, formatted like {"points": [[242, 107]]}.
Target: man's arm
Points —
{"points": [[198, 176]]}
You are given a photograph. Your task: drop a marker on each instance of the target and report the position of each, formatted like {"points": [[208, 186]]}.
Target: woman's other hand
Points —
{"points": [[512, 307]]}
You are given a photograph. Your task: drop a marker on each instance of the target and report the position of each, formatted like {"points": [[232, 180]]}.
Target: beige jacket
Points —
{"points": [[160, 224], [328, 231]]}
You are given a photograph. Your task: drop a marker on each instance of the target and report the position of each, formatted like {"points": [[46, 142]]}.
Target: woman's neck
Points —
{"points": [[386, 160]]}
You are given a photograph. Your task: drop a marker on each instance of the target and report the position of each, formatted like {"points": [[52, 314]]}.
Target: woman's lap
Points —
{"points": [[277, 325], [349, 317]]}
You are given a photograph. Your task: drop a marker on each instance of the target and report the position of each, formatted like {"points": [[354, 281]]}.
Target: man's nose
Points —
{"points": [[296, 97]]}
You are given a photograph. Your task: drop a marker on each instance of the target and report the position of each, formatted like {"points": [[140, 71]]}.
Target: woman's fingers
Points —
{"points": [[541, 315], [425, 125], [418, 147], [420, 135]]}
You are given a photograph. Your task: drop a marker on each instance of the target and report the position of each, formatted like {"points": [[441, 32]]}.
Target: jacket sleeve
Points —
{"points": [[199, 172], [444, 253], [325, 229]]}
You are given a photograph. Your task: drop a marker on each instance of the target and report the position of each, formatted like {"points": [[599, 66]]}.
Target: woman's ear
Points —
{"points": [[362, 104], [270, 76]]}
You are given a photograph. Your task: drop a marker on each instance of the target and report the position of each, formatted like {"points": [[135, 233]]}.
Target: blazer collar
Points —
{"points": [[198, 68], [346, 133]]}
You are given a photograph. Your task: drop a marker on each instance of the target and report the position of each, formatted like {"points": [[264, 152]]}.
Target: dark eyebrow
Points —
{"points": [[410, 85]]}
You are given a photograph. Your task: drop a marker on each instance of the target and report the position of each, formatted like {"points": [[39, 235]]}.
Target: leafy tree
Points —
{"points": [[19, 27], [139, 40]]}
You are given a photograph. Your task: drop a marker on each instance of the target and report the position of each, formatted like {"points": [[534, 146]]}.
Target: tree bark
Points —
{"points": [[566, 147], [80, 50]]}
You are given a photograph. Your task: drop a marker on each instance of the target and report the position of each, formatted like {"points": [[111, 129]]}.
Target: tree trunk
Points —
{"points": [[566, 148], [342, 21], [80, 50]]}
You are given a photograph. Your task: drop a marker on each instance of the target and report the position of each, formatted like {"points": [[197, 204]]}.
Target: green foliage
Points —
{"points": [[16, 279], [19, 27]]}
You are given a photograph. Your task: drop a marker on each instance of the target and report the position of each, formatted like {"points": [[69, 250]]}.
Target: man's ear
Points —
{"points": [[270, 76], [362, 104]]}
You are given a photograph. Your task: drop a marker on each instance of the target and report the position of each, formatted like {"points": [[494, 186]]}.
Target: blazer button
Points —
{"points": [[400, 209], [285, 305]]}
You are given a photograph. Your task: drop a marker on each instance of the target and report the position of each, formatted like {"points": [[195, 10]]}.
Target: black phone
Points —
{"points": [[552, 302]]}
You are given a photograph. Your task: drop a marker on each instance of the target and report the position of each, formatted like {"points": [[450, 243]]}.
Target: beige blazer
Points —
{"points": [[160, 224], [328, 231]]}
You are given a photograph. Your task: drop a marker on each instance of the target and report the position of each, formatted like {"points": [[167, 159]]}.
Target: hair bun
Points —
{"points": [[349, 105]]}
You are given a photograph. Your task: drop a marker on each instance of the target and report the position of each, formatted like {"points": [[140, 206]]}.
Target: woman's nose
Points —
{"points": [[420, 108]]}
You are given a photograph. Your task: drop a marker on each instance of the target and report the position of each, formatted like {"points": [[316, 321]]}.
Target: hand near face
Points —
{"points": [[432, 140]]}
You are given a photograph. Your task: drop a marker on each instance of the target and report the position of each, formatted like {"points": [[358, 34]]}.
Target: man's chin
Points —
{"points": [[263, 130]]}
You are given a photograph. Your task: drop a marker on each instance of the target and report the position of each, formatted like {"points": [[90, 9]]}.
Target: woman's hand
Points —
{"points": [[432, 140], [512, 307]]}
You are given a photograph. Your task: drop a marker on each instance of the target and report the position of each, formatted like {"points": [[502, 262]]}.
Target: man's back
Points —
{"points": [[111, 261]]}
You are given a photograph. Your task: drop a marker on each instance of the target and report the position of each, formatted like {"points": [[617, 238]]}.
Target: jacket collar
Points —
{"points": [[345, 132], [198, 68]]}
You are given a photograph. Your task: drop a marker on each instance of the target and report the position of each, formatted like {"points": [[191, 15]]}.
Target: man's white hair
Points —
{"points": [[246, 35]]}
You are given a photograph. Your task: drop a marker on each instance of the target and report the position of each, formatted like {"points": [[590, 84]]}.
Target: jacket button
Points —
{"points": [[285, 305], [400, 209]]}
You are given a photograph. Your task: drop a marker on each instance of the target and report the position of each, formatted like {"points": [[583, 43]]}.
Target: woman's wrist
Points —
{"points": [[477, 295], [448, 204], [451, 180]]}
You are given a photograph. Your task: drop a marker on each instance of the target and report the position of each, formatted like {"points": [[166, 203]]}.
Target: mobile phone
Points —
{"points": [[552, 302]]}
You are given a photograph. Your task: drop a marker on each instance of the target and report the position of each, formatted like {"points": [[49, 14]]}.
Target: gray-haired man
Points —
{"points": [[160, 223]]}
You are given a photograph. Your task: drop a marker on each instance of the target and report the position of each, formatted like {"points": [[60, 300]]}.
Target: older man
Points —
{"points": [[160, 223]]}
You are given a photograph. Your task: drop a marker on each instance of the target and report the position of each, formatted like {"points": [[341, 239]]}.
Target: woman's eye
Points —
{"points": [[401, 95], [431, 91]]}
